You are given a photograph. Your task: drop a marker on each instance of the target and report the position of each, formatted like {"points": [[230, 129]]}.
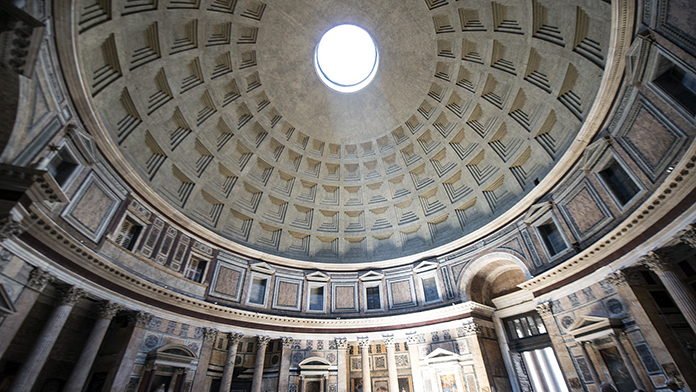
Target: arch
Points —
{"points": [[178, 350], [314, 363], [492, 275]]}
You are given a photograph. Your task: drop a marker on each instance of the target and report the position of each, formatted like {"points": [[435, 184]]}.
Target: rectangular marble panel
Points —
{"points": [[92, 207]]}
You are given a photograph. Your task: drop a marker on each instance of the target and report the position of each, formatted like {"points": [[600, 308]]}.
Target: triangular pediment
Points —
{"points": [[83, 141], [536, 212], [425, 265], [262, 267], [6, 305], [585, 325], [317, 276], [594, 152], [371, 275], [440, 354]]}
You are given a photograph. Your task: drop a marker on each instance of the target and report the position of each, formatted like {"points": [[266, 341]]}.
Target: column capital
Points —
{"points": [[263, 340], [109, 309], [71, 295], [388, 341], [39, 279], [341, 343], [142, 319], [364, 342], [655, 262], [415, 338], [545, 309], [471, 329], [688, 236], [210, 334], [287, 342], [9, 228]]}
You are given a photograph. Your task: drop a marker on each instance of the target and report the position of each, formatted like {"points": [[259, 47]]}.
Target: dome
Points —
{"points": [[501, 197]]}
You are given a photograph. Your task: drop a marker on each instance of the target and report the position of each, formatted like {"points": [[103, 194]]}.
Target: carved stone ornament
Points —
{"points": [[263, 340], [210, 334], [341, 343], [233, 339], [39, 279], [388, 341], [109, 309], [545, 309], [415, 338], [654, 262], [688, 236], [364, 342], [617, 279], [71, 295], [142, 319], [9, 228], [287, 342], [471, 329]]}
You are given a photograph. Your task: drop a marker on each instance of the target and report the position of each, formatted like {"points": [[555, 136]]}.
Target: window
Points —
{"points": [[679, 84], [524, 326], [195, 269], [257, 292], [430, 291], [128, 234], [316, 299], [372, 298], [62, 166], [552, 238], [619, 182]]}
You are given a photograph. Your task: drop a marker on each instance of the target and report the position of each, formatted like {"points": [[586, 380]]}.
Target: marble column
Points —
{"points": [[342, 360], [148, 377], [590, 363], [365, 351], [38, 280], [121, 377], [628, 362], [472, 332], [391, 364], [284, 372], [258, 367], [300, 380], [679, 292], [414, 358], [545, 310], [80, 371], [204, 360], [233, 339], [31, 368]]}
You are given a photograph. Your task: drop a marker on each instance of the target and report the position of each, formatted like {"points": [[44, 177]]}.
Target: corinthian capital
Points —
{"points": [[471, 329], [263, 340], [109, 309], [39, 279], [142, 319], [388, 341], [655, 262], [545, 309], [688, 236], [287, 342], [341, 343], [71, 295], [233, 339], [9, 228], [210, 334], [364, 342]]}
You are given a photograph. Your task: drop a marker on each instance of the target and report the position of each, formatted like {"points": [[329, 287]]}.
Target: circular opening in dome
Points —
{"points": [[346, 58]]}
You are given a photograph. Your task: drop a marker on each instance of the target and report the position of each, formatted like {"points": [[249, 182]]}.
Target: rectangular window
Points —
{"points": [[619, 182], [678, 84], [524, 326], [62, 167], [257, 294], [194, 269], [128, 234], [552, 238], [316, 298], [430, 289], [373, 299]]}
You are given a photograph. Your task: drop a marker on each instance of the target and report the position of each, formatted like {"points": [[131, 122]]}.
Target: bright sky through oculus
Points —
{"points": [[346, 58]]}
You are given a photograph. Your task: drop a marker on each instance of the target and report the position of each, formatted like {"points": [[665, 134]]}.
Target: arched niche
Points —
{"points": [[492, 275], [314, 374], [166, 368]]}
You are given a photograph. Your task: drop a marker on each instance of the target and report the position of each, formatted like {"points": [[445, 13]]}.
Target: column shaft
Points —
{"points": [[284, 373], [80, 372], [31, 369], [391, 366], [414, 358], [38, 280], [342, 375], [680, 293], [227, 374], [258, 367], [120, 379], [365, 351], [204, 360], [559, 346]]}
